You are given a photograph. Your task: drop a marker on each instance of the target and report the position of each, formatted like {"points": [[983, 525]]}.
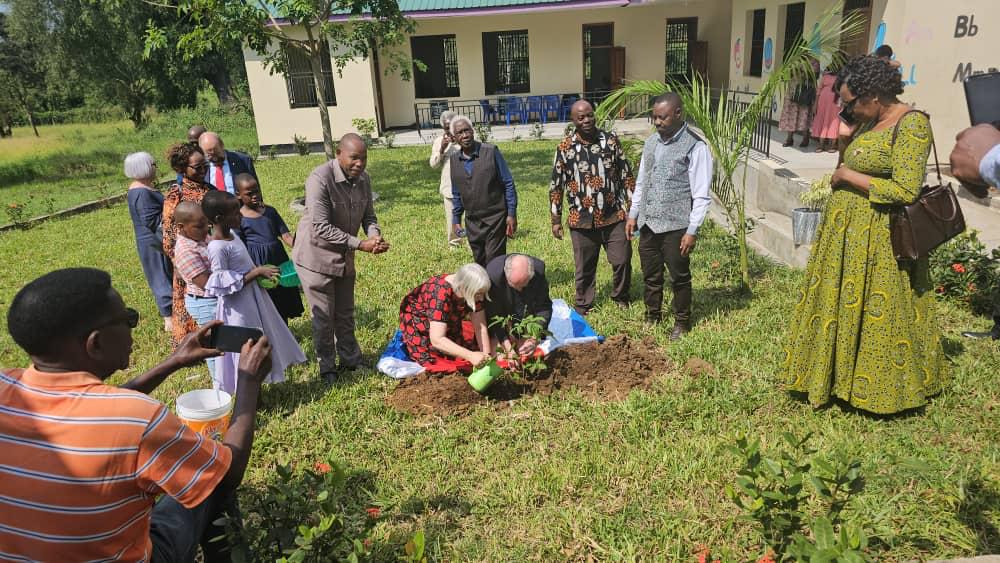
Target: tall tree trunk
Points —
{"points": [[218, 77], [27, 109], [316, 65]]}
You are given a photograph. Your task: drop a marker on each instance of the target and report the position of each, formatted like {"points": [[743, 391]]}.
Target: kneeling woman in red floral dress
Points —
{"points": [[444, 323]]}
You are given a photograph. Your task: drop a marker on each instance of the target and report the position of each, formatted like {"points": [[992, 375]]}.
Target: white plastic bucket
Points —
{"points": [[206, 411]]}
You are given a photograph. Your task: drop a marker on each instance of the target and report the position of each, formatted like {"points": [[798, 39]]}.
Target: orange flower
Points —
{"points": [[373, 511], [587, 201], [766, 558], [322, 467], [572, 187], [958, 268]]}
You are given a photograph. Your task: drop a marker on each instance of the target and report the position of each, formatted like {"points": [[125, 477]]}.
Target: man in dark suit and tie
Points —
{"points": [[518, 288], [223, 165]]}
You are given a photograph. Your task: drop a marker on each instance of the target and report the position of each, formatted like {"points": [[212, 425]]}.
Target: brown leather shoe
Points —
{"points": [[680, 329]]}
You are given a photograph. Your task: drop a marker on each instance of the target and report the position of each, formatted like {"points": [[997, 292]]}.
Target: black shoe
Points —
{"points": [[328, 377], [995, 335], [680, 329]]}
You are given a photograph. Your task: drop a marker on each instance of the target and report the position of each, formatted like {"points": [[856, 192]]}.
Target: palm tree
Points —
{"points": [[726, 128]]}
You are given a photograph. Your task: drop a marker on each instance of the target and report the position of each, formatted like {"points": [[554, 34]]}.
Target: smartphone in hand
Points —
{"points": [[846, 116], [981, 94], [229, 338]]}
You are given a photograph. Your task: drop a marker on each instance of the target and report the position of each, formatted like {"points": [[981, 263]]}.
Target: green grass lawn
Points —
{"points": [[75, 163], [562, 477]]}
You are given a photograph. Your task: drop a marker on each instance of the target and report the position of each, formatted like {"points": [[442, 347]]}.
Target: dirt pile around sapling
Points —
{"points": [[607, 371]]}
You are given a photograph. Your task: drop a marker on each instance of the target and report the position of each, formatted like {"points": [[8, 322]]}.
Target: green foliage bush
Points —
{"points": [[962, 270], [772, 491]]}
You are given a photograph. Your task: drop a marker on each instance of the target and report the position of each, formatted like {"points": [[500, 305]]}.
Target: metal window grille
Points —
{"points": [[681, 33], [440, 55], [299, 79], [450, 63], [757, 44], [505, 62]]}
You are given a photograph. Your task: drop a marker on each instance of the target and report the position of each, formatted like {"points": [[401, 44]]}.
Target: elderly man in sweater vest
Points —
{"points": [[669, 203], [482, 189]]}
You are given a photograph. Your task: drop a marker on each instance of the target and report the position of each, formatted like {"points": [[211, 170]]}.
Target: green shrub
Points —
{"points": [[772, 491], [366, 128], [300, 516], [484, 132], [301, 145], [963, 270]]}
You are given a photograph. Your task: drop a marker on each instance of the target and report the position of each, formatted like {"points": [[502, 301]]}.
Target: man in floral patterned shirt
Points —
{"points": [[591, 169]]}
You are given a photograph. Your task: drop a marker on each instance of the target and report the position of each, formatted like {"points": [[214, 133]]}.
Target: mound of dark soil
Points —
{"points": [[607, 371]]}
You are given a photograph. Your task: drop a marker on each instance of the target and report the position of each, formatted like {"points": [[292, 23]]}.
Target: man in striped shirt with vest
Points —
{"points": [[82, 462]]}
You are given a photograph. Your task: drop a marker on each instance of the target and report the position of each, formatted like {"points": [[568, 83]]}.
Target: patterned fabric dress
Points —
{"points": [[188, 190], [864, 329], [434, 300]]}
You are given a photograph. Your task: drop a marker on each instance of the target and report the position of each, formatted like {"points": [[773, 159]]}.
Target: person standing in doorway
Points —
{"points": [[669, 204], [591, 169], [338, 204], [483, 189]]}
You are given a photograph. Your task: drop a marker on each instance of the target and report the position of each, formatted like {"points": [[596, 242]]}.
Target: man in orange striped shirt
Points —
{"points": [[82, 462]]}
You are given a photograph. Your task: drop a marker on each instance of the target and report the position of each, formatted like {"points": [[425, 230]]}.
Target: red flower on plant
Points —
{"points": [[703, 554], [766, 558], [322, 467], [958, 268], [373, 511]]}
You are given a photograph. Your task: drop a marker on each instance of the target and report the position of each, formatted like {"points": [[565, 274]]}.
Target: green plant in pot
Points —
{"points": [[805, 220]]}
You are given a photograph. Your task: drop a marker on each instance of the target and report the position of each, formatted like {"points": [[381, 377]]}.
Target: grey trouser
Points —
{"points": [[331, 301], [587, 244]]}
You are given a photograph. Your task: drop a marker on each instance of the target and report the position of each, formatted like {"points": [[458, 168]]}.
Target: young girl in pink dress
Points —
{"points": [[241, 301]]}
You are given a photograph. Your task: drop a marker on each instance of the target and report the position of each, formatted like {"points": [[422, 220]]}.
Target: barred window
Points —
{"points": [[299, 80], [681, 35], [505, 62], [756, 65], [440, 54]]}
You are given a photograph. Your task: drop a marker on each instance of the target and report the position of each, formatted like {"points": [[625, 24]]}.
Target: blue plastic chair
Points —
{"points": [[515, 106], [489, 112], [551, 105], [534, 105], [567, 103]]}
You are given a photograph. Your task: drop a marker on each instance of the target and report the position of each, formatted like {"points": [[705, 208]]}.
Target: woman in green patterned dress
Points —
{"points": [[864, 329]]}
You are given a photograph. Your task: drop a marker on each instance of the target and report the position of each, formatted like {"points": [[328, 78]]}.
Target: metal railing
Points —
{"points": [[760, 138], [514, 109]]}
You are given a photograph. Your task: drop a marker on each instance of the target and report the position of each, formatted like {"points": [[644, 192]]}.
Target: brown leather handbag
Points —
{"points": [[933, 219]]}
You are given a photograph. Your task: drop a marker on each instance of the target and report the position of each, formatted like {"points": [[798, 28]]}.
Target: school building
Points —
{"points": [[520, 60]]}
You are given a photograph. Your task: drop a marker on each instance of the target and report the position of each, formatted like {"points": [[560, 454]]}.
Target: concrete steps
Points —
{"points": [[772, 193]]}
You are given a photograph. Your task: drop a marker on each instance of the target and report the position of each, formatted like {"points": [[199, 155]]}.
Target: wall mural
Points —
{"points": [[738, 54], [965, 27], [768, 54]]}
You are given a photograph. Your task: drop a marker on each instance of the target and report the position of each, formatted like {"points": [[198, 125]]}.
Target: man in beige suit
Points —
{"points": [[338, 204]]}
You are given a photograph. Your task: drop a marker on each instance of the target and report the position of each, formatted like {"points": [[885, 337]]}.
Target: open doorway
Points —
{"points": [[598, 67]]}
